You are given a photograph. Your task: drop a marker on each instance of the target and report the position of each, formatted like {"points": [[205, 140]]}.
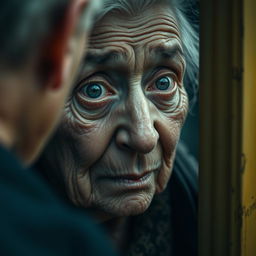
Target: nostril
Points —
{"points": [[122, 139], [125, 146], [139, 140]]}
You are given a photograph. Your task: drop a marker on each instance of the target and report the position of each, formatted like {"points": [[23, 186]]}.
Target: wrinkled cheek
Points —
{"points": [[80, 190], [89, 145], [169, 143], [164, 175]]}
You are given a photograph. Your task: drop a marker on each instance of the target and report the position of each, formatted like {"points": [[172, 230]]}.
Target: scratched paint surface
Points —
{"points": [[249, 131]]}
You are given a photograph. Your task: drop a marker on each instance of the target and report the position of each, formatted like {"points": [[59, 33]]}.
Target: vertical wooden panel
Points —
{"points": [[220, 127], [249, 131]]}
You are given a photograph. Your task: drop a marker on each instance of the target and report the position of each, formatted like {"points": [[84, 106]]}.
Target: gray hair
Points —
{"points": [[24, 24], [186, 12]]}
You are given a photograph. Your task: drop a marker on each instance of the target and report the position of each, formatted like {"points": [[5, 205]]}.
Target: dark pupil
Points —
{"points": [[93, 90], [163, 83]]}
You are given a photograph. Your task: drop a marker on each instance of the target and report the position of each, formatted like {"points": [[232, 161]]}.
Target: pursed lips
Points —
{"points": [[130, 177]]}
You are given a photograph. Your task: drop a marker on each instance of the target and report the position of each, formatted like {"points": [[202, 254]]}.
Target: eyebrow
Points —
{"points": [[114, 58], [163, 52], [110, 57]]}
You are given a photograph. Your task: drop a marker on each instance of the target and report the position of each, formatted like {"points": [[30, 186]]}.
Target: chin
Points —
{"points": [[130, 204], [134, 207]]}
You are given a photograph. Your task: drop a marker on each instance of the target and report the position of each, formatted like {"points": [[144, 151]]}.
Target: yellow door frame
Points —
{"points": [[220, 164]]}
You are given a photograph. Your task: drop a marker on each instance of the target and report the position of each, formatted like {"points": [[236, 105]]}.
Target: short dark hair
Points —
{"points": [[24, 25]]}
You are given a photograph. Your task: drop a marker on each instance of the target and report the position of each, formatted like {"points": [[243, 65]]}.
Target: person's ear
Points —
{"points": [[55, 52]]}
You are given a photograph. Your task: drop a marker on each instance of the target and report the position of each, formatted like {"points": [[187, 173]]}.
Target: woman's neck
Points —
{"points": [[118, 229]]}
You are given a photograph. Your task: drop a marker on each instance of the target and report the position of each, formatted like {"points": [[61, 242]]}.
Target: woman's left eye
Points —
{"points": [[93, 90], [164, 83]]}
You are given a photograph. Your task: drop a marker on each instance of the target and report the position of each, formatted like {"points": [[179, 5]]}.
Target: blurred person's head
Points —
{"points": [[41, 44], [116, 144]]}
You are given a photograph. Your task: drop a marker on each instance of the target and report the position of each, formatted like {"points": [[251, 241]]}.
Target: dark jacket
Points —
{"points": [[35, 222]]}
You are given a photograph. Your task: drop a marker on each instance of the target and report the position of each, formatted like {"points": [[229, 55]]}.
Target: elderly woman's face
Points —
{"points": [[126, 112]]}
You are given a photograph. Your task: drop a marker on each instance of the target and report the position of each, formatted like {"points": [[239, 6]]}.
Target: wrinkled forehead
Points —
{"points": [[155, 27], [155, 15]]}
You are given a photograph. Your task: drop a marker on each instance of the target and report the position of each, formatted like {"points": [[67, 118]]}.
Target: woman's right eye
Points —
{"points": [[93, 90], [95, 93]]}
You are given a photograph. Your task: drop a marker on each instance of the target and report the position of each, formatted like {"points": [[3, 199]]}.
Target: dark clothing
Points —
{"points": [[169, 226], [184, 203], [35, 222]]}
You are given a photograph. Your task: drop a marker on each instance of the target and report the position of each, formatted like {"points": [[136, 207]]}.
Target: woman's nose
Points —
{"points": [[138, 134]]}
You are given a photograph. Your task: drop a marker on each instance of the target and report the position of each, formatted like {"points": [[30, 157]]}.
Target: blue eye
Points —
{"points": [[163, 83], [93, 90]]}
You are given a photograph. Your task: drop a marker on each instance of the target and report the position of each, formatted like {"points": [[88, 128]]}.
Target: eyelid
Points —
{"points": [[163, 70], [97, 78], [162, 73], [92, 103]]}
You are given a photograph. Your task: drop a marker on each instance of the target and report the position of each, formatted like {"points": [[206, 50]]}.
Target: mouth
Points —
{"points": [[131, 178], [130, 181]]}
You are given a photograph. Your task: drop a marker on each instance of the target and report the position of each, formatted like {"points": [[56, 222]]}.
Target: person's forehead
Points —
{"points": [[135, 43], [156, 14], [118, 30]]}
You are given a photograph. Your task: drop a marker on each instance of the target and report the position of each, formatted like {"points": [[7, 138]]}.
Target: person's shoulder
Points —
{"points": [[16, 178], [8, 162], [34, 221]]}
